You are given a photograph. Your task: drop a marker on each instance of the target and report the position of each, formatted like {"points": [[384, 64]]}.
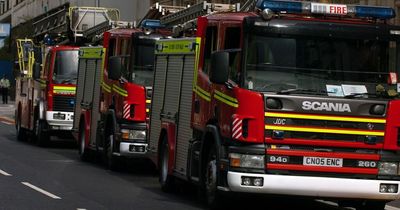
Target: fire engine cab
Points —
{"points": [[296, 98]]}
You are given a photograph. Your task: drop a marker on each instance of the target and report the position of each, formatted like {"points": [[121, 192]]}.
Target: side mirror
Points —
{"points": [[219, 71], [114, 68], [36, 71]]}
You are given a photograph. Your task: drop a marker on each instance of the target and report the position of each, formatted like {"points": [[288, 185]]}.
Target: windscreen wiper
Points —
{"points": [[355, 95], [301, 90], [68, 80]]}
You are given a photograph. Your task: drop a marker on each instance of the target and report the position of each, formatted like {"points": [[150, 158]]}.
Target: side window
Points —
{"points": [[124, 55], [111, 47], [210, 47], [232, 41], [47, 65]]}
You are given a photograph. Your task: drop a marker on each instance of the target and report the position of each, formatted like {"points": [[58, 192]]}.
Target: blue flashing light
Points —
{"points": [[280, 6], [153, 24], [48, 40], [360, 11], [375, 12]]}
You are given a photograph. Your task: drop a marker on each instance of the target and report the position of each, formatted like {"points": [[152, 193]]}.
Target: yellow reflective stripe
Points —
{"points": [[225, 101], [205, 97], [106, 88], [324, 130], [324, 117], [64, 88], [147, 110], [148, 101], [63, 92], [203, 91], [233, 100], [120, 91]]}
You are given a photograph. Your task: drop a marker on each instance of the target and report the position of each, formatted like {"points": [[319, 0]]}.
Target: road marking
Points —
{"points": [[80, 209], [391, 208], [4, 173], [40, 190], [7, 120], [387, 207]]}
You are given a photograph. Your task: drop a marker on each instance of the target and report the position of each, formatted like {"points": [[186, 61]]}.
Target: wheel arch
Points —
{"points": [[211, 137]]}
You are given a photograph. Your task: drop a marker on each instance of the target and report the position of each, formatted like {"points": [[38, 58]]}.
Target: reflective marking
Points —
{"points": [[325, 130], [40, 190], [324, 117], [223, 100], [4, 173]]}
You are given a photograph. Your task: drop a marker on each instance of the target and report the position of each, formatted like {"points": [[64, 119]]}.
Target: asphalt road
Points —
{"points": [[54, 178]]}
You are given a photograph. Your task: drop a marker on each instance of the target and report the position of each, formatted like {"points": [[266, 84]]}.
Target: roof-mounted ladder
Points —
{"points": [[186, 18], [95, 33], [249, 6]]}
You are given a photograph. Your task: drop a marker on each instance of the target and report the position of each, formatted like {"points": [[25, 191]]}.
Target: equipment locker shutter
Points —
{"points": [[96, 99], [157, 101], [184, 130], [173, 86], [79, 92]]}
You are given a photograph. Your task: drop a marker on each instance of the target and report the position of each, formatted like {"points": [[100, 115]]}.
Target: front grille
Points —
{"points": [[63, 103], [325, 127]]}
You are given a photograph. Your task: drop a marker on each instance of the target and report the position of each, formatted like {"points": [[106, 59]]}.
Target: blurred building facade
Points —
{"points": [[17, 12]]}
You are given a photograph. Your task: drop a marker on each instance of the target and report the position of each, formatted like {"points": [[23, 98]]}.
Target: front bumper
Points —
{"points": [[129, 149], [313, 186], [57, 124]]}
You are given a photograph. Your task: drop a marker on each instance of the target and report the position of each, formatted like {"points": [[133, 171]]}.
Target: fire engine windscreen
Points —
{"points": [[141, 72], [282, 63], [66, 67]]}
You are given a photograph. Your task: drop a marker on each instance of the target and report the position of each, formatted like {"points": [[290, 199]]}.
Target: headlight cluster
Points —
{"points": [[246, 161], [133, 134], [388, 168]]}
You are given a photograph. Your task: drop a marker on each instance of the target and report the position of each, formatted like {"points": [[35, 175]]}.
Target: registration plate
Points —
{"points": [[320, 161]]}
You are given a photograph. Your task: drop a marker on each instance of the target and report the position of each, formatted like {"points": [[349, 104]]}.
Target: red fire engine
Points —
{"points": [[298, 98], [45, 99], [113, 95]]}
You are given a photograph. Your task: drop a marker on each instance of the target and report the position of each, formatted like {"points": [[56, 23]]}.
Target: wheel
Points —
{"points": [[21, 134], [213, 197], [111, 160], [83, 152], [41, 136], [371, 205], [166, 181]]}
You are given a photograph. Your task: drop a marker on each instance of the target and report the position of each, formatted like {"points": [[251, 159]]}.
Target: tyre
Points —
{"points": [[41, 136], [166, 181], [82, 150], [110, 160], [213, 198], [21, 133]]}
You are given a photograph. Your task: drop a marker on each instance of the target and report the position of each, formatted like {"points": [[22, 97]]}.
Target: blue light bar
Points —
{"points": [[153, 24], [302, 7], [375, 12], [280, 6]]}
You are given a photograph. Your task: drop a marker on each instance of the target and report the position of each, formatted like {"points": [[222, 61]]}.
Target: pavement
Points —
{"points": [[7, 112]]}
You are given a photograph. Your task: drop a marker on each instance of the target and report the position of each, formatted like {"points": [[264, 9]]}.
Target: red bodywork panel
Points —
{"points": [[136, 94], [391, 140]]}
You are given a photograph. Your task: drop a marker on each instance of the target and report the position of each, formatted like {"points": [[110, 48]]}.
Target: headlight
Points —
{"points": [[246, 161], [388, 168], [133, 134]]}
